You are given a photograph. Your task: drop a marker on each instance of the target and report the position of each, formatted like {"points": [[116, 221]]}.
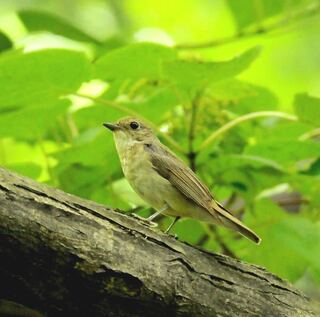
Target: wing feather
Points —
{"points": [[180, 176]]}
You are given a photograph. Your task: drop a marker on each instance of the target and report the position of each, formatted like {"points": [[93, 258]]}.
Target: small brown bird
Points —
{"points": [[164, 181]]}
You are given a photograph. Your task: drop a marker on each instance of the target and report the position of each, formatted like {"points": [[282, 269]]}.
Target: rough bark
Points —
{"points": [[66, 256]]}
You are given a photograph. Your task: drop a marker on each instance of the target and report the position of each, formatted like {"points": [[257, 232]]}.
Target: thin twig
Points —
{"points": [[310, 11], [47, 162], [246, 117], [192, 128], [124, 109], [72, 126], [310, 134], [214, 234]]}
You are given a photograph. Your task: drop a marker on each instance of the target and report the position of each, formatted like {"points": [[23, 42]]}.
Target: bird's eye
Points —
{"points": [[134, 125]]}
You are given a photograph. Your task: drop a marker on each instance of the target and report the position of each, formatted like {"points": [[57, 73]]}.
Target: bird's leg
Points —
{"points": [[157, 213], [148, 221], [172, 224]]}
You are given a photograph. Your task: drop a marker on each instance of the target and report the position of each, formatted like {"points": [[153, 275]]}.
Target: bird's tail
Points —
{"points": [[232, 222]]}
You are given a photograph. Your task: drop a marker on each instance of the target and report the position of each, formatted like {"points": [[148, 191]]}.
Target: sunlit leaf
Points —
{"points": [[133, 62], [32, 123], [191, 76], [96, 151], [307, 108], [284, 152], [43, 21], [247, 12], [28, 169], [283, 236], [38, 76]]}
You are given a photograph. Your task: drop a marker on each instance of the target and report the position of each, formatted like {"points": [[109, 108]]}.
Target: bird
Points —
{"points": [[164, 181]]}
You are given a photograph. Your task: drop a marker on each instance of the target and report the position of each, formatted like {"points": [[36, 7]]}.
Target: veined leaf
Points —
{"points": [[292, 237], [247, 12], [28, 169], [133, 62], [32, 123], [100, 150], [284, 152], [39, 76], [307, 108], [191, 76], [43, 21]]}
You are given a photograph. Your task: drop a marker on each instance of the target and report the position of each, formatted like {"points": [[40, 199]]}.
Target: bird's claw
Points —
{"points": [[147, 222]]}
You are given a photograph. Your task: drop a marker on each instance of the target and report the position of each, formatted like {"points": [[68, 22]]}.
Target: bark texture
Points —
{"points": [[65, 256]]}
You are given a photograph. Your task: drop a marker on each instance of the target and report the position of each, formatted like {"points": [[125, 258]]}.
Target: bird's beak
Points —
{"points": [[111, 126]]}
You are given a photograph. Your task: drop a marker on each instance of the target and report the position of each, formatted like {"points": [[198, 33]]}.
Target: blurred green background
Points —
{"points": [[231, 86]]}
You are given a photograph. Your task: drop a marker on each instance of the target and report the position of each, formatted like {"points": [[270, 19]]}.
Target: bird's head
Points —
{"points": [[127, 131]]}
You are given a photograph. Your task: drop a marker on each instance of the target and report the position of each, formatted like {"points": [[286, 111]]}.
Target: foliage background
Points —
{"points": [[232, 86]]}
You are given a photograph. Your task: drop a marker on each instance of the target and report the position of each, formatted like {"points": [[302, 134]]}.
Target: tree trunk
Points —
{"points": [[65, 256]]}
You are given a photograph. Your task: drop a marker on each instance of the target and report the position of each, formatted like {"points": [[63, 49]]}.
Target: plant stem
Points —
{"points": [[293, 17], [191, 153], [241, 119], [119, 106], [310, 134], [47, 162], [214, 234], [72, 126]]}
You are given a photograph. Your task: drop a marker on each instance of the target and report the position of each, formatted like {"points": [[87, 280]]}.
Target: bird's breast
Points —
{"points": [[139, 172]]}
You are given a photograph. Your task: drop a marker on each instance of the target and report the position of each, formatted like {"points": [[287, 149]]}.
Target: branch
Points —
{"points": [[65, 256], [312, 10], [246, 117]]}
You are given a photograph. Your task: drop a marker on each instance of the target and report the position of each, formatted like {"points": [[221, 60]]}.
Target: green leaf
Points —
{"points": [[133, 62], [28, 169], [231, 90], [247, 12], [276, 130], [188, 230], [226, 162], [36, 21], [97, 150], [32, 123], [88, 165], [243, 97], [155, 106], [284, 152], [307, 108], [82, 180], [38, 76], [5, 42], [124, 191], [292, 237], [191, 76]]}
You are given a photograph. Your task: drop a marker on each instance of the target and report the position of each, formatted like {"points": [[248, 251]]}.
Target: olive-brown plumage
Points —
{"points": [[164, 181]]}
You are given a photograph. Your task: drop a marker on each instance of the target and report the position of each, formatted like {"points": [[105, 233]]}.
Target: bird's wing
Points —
{"points": [[187, 183], [180, 176]]}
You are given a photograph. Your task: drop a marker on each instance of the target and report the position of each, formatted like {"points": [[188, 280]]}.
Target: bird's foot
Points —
{"points": [[174, 236], [147, 222]]}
